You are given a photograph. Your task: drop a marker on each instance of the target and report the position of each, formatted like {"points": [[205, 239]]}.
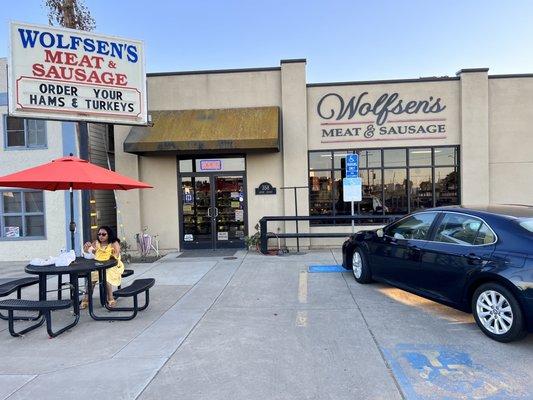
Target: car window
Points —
{"points": [[463, 230], [414, 227], [485, 235]]}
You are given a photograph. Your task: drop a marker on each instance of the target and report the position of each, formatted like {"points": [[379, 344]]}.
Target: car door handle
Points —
{"points": [[472, 258], [414, 247]]}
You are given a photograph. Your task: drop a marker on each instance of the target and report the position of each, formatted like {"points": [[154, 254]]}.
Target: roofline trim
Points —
{"points": [[503, 76], [293, 60], [469, 70], [387, 81], [213, 71]]}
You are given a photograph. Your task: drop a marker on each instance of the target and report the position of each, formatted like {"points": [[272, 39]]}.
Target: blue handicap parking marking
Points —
{"points": [[445, 372], [325, 268]]}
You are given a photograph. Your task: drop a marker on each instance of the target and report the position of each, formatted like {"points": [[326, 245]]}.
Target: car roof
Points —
{"points": [[510, 211]]}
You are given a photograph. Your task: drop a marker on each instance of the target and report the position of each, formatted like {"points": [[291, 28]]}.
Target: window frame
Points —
{"points": [[382, 168], [26, 146], [431, 229], [23, 214], [443, 215]]}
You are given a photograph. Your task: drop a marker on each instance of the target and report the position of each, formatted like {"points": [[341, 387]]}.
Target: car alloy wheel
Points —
{"points": [[357, 265], [494, 312]]}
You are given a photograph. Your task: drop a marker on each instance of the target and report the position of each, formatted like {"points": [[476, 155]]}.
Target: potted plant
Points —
{"points": [[253, 240]]}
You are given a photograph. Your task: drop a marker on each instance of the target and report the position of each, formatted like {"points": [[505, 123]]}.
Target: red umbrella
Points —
{"points": [[69, 173]]}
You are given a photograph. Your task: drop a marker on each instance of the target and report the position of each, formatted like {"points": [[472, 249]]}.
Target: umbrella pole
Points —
{"points": [[72, 223]]}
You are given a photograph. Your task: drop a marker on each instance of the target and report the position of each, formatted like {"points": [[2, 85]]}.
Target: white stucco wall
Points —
{"points": [[54, 202], [511, 140]]}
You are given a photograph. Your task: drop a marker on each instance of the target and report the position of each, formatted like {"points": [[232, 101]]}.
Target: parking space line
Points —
{"points": [[302, 287]]}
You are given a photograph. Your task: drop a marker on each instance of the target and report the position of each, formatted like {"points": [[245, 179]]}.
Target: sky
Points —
{"points": [[342, 40]]}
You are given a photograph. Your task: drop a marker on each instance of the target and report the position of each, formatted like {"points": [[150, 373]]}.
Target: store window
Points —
{"points": [[395, 181], [21, 214], [24, 133]]}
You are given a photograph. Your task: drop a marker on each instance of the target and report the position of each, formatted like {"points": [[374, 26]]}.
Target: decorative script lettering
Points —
{"points": [[333, 106]]}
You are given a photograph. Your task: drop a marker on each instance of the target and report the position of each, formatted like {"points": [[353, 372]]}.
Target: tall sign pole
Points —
{"points": [[351, 185]]}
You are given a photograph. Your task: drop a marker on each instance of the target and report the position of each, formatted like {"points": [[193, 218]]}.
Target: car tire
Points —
{"points": [[497, 313], [360, 267]]}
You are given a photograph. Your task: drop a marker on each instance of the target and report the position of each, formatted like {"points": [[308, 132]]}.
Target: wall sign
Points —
{"points": [[265, 188], [385, 116], [210, 165], [222, 236], [11, 231], [66, 74]]}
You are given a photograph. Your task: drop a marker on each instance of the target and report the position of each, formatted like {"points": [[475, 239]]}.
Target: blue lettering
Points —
{"points": [[28, 37], [88, 45], [103, 47], [75, 42], [116, 49], [60, 44], [51, 41], [132, 54]]}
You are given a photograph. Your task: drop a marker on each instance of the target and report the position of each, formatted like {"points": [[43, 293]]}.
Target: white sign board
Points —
{"points": [[65, 74], [222, 236], [351, 189], [11, 231]]}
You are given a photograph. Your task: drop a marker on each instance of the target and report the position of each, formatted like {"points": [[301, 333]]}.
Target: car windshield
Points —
{"points": [[527, 223]]}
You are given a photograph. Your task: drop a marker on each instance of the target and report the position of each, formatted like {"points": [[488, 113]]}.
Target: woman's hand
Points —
{"points": [[86, 246]]}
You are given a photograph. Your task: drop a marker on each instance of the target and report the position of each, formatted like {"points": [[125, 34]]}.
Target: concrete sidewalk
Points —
{"points": [[260, 327]]}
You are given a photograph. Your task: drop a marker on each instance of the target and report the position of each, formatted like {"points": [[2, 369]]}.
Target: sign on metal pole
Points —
{"points": [[65, 74], [351, 185], [352, 166], [351, 189]]}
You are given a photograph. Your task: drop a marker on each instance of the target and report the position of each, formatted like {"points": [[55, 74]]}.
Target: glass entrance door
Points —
{"points": [[213, 211], [229, 211], [196, 208]]}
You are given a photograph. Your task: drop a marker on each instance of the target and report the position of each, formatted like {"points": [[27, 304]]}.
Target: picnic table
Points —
{"points": [[80, 268]]}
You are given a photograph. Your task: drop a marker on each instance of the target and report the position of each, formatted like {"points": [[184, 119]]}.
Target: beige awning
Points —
{"points": [[201, 131]]}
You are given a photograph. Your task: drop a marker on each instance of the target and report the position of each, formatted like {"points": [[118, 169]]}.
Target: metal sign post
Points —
{"points": [[352, 183]]}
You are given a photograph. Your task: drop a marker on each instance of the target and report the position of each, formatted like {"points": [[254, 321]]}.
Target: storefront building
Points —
{"points": [[220, 138], [224, 144]]}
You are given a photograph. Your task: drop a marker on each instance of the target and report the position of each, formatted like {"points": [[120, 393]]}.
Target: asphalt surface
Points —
{"points": [[265, 327]]}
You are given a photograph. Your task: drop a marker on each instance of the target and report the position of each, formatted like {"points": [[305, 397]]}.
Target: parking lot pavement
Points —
{"points": [[260, 327]]}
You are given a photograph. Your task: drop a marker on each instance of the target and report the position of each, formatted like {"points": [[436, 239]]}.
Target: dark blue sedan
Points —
{"points": [[476, 259]]}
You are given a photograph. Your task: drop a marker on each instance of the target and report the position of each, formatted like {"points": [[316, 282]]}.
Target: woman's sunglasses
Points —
{"points": [[102, 234]]}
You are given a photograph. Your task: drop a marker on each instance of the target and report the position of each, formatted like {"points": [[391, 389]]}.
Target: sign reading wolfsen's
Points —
{"points": [[360, 118], [66, 74]]}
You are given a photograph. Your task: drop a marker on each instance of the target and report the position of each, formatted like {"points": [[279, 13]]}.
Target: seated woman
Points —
{"points": [[106, 245]]}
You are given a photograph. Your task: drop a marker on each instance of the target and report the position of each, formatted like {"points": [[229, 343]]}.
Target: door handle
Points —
{"points": [[472, 258], [414, 247], [216, 212], [209, 212]]}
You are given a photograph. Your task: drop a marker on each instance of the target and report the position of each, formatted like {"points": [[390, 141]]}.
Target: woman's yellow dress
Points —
{"points": [[113, 274]]}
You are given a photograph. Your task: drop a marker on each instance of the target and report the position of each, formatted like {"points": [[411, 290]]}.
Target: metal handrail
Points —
{"points": [[264, 231]]}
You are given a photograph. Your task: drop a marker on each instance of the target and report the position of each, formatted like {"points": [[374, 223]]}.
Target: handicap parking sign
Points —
{"points": [[352, 165]]}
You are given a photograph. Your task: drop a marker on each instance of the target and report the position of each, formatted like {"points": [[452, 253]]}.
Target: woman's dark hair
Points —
{"points": [[111, 237]]}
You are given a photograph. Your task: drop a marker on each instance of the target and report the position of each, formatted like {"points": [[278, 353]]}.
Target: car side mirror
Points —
{"points": [[380, 233]]}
